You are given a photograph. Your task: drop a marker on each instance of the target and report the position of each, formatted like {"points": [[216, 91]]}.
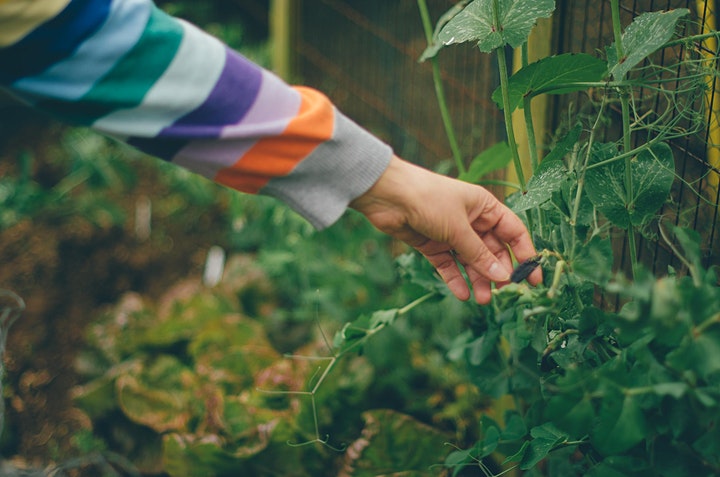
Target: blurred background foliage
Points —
{"points": [[124, 349]]}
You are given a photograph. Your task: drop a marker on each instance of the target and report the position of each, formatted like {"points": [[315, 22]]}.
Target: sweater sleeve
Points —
{"points": [[132, 72]]}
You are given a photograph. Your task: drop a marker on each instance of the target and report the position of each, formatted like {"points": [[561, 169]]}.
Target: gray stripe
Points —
{"points": [[338, 171]]}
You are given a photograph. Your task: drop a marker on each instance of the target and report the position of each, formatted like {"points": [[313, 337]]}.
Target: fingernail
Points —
{"points": [[498, 273]]}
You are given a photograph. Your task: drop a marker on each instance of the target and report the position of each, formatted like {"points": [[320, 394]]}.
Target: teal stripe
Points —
{"points": [[127, 83]]}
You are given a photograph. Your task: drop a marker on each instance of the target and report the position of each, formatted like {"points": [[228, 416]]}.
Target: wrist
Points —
{"points": [[390, 190]]}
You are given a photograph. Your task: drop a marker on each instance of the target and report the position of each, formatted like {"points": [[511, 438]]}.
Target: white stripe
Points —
{"points": [[183, 87], [275, 106], [72, 78]]}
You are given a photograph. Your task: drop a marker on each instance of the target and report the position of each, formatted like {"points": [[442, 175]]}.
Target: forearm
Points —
{"points": [[130, 71]]}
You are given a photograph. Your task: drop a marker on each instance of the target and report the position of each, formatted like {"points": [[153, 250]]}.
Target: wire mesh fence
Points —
{"points": [[587, 26], [363, 54]]}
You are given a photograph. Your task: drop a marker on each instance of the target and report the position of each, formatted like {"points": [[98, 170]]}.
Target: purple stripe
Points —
{"points": [[229, 101]]}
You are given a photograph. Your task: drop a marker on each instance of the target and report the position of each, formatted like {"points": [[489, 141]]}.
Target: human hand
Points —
{"points": [[450, 222]]}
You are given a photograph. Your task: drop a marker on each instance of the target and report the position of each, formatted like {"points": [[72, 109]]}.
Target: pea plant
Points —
{"points": [[585, 389]]}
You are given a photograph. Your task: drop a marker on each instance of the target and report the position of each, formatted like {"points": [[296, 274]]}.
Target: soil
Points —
{"points": [[68, 271]]}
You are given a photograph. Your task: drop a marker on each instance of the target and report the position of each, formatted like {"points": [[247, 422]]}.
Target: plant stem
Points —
{"points": [[527, 109], [440, 91], [627, 140], [628, 154], [415, 303], [532, 144], [702, 327], [584, 167], [502, 66]]}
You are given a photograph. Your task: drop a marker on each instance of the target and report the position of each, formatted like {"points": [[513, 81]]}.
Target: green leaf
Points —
{"points": [[699, 353], [621, 424], [351, 333], [383, 318], [605, 470], [488, 444], [572, 413], [492, 377], [652, 171], [566, 144], [515, 427], [491, 159], [547, 179], [483, 346], [594, 260], [643, 36], [674, 389], [552, 75], [545, 438], [708, 444], [415, 269], [690, 242], [436, 45], [518, 456], [476, 22]]}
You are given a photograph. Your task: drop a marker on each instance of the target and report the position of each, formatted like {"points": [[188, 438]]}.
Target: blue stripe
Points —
{"points": [[72, 78], [54, 40]]}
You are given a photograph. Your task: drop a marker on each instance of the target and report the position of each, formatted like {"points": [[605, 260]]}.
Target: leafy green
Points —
{"points": [[476, 22], [652, 171], [383, 447], [435, 44], [621, 424], [594, 260], [545, 438], [565, 144], [547, 179], [643, 36], [560, 74], [493, 158]]}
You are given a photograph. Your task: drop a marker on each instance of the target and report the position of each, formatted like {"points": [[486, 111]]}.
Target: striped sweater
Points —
{"points": [[132, 72]]}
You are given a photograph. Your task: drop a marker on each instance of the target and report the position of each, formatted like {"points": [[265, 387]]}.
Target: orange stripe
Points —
{"points": [[277, 156]]}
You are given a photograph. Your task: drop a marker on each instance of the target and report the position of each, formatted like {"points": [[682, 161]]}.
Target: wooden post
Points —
{"points": [[283, 19], [712, 97], [539, 46]]}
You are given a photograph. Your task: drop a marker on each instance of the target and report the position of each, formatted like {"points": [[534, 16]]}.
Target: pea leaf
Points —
{"points": [[572, 413], [491, 159], [354, 332], [547, 179], [594, 260], [621, 424], [483, 346], [566, 144], [708, 444], [516, 19], [545, 438], [435, 44], [652, 171], [690, 241], [553, 75], [643, 36], [699, 353], [514, 428]]}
